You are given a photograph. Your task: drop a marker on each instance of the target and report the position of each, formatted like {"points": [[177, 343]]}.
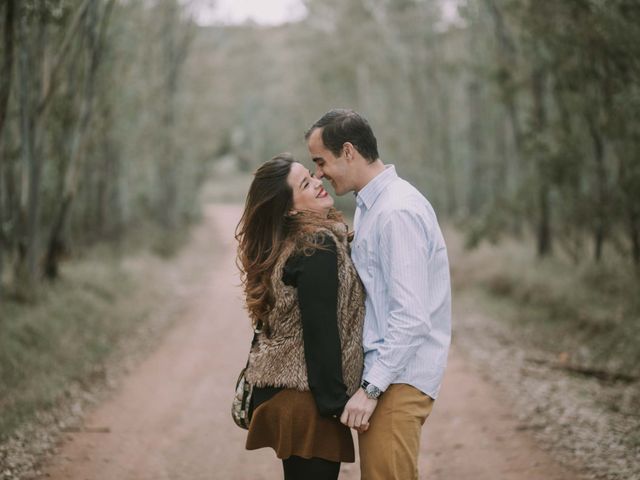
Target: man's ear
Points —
{"points": [[349, 150]]}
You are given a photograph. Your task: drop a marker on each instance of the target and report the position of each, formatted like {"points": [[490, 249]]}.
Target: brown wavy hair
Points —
{"points": [[266, 227]]}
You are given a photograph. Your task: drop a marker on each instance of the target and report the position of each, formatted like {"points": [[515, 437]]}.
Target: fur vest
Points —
{"points": [[277, 359]]}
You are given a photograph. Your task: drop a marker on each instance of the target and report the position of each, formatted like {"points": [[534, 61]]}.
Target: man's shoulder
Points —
{"points": [[402, 196]]}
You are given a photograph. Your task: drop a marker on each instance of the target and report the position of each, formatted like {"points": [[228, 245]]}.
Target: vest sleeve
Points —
{"points": [[317, 283]]}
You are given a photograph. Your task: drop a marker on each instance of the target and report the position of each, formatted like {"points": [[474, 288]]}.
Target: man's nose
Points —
{"points": [[319, 173]]}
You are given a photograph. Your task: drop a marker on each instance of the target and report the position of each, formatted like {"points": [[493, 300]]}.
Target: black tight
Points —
{"points": [[298, 468]]}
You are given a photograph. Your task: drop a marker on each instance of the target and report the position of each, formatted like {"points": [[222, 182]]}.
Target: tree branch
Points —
{"points": [[5, 81], [62, 51]]}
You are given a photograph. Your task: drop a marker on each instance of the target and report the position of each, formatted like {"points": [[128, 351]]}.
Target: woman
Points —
{"points": [[307, 304]]}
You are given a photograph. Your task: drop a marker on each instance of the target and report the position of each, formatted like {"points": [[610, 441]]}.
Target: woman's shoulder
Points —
{"points": [[319, 247]]}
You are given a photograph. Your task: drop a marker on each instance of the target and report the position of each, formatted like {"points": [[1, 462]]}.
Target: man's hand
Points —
{"points": [[358, 411]]}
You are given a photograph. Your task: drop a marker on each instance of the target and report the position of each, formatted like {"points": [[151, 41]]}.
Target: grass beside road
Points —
{"points": [[62, 343], [588, 315]]}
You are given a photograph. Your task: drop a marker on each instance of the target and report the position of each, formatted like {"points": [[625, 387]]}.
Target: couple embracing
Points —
{"points": [[353, 329]]}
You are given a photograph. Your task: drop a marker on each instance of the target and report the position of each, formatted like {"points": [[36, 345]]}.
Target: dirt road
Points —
{"points": [[170, 417]]}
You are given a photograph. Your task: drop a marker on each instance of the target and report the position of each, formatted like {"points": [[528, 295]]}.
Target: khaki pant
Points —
{"points": [[389, 449]]}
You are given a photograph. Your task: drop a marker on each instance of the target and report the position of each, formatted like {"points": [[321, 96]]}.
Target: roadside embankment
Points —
{"points": [[561, 341], [63, 353]]}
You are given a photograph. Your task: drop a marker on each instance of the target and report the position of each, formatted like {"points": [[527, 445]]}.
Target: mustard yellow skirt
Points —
{"points": [[289, 423]]}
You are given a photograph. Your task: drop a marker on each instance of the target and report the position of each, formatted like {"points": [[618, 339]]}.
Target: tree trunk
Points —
{"points": [[95, 26], [600, 178], [31, 168], [111, 203], [508, 64], [501, 165], [7, 64], [5, 91], [175, 50], [634, 235], [4, 241], [630, 197], [544, 222], [447, 155], [475, 132], [62, 53], [167, 173], [477, 148], [544, 235], [11, 206]]}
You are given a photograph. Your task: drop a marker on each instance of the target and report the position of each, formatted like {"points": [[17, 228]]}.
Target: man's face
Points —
{"points": [[335, 169]]}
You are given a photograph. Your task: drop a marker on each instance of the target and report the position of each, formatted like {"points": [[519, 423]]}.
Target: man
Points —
{"points": [[401, 257]]}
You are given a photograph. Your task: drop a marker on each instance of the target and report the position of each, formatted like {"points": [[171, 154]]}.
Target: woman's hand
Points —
{"points": [[363, 428]]}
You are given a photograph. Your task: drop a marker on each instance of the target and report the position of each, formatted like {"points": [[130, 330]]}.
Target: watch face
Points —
{"points": [[373, 391]]}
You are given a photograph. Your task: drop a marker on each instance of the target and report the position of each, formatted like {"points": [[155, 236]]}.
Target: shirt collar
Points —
{"points": [[368, 195]]}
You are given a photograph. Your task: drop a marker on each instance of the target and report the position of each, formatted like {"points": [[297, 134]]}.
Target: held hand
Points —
{"points": [[363, 428], [358, 411]]}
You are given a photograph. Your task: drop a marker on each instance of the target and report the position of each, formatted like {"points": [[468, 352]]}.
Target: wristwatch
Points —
{"points": [[371, 390]]}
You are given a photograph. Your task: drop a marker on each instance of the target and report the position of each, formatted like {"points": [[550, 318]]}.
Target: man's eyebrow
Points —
{"points": [[316, 159]]}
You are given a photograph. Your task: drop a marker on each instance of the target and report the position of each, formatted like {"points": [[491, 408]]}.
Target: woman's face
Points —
{"points": [[308, 193]]}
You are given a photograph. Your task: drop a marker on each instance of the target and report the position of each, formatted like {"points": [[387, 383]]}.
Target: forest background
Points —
{"points": [[516, 118]]}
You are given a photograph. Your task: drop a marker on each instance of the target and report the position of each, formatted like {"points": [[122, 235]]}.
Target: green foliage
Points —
{"points": [[517, 116], [561, 68], [100, 119]]}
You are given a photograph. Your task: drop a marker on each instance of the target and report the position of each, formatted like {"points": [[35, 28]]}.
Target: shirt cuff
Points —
{"points": [[380, 377]]}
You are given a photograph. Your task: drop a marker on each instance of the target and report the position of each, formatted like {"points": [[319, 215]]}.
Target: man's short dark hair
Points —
{"points": [[342, 125]]}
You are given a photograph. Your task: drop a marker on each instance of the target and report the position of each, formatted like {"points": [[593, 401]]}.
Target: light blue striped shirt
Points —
{"points": [[400, 255]]}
